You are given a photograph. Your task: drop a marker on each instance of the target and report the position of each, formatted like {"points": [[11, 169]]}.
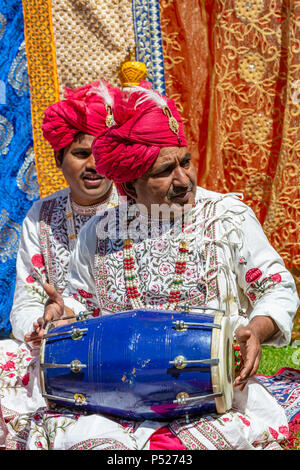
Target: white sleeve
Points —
{"points": [[29, 296], [80, 292], [262, 275]]}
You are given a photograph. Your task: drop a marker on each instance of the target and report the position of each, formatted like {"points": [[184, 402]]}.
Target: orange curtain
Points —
{"points": [[233, 68]]}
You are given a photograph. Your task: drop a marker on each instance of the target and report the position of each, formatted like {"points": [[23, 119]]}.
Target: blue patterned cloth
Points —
{"points": [[285, 387], [148, 41], [19, 186]]}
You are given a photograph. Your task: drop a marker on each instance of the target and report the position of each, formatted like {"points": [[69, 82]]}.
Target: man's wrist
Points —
{"points": [[263, 327]]}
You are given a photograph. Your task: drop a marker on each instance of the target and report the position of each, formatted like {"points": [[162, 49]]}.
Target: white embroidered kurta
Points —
{"points": [[223, 264], [230, 265], [230, 262]]}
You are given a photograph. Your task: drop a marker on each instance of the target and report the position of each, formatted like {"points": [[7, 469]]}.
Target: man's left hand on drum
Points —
{"points": [[54, 310]]}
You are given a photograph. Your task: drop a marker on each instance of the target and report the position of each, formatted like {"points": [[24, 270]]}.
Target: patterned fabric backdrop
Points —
{"points": [[231, 66], [19, 186]]}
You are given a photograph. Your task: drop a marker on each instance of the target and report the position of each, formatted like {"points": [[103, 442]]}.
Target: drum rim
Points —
{"points": [[220, 373], [42, 361]]}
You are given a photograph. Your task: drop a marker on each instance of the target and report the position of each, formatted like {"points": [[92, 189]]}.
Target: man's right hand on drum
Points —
{"points": [[54, 310]]}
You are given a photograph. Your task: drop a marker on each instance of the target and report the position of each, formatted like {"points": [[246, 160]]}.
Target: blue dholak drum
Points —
{"points": [[140, 364]]}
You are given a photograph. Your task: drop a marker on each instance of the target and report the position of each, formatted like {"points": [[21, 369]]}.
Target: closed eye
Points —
{"points": [[185, 162]]}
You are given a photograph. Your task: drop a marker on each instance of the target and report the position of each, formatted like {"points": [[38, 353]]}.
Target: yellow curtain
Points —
{"points": [[70, 43]]}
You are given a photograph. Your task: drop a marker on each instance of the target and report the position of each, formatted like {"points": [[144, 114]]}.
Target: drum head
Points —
{"points": [[222, 374]]}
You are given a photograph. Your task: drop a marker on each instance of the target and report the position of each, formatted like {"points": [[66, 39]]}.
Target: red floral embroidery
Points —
{"points": [[245, 421], [284, 430], [25, 379], [253, 275], [273, 433], [257, 287], [252, 297], [10, 354], [30, 279], [96, 312], [276, 277], [38, 261], [84, 294], [8, 366]]}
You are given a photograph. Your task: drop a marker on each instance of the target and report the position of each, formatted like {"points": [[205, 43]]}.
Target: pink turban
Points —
{"points": [[128, 149], [81, 110]]}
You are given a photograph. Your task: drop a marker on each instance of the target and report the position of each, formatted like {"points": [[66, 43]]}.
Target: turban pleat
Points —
{"points": [[82, 110], [128, 150]]}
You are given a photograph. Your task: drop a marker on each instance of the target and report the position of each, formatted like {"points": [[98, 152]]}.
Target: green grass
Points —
{"points": [[274, 359]]}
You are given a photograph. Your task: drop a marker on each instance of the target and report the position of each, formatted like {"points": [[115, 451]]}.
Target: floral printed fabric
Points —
{"points": [[248, 426], [255, 422]]}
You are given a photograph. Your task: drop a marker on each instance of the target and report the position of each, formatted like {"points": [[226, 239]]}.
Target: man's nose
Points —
{"points": [[90, 162], [181, 178]]}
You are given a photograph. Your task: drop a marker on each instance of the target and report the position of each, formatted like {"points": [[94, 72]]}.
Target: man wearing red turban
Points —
{"points": [[201, 262], [147, 123], [70, 127]]}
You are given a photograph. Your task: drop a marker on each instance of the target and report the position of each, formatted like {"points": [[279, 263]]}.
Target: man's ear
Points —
{"points": [[58, 155], [129, 189]]}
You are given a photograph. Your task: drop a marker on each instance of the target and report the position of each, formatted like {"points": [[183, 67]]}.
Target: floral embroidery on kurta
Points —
{"points": [[259, 288], [155, 260]]}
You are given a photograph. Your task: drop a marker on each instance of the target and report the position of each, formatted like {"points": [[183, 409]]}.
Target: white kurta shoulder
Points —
{"points": [[263, 284]]}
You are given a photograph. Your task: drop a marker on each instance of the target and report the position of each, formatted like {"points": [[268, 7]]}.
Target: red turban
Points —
{"points": [[81, 110], [128, 149]]}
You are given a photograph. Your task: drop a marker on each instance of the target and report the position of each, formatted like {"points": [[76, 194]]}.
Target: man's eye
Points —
{"points": [[186, 163], [81, 154], [165, 171]]}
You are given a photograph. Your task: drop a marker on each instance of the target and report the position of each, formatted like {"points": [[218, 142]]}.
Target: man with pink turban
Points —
{"points": [[170, 246], [51, 228]]}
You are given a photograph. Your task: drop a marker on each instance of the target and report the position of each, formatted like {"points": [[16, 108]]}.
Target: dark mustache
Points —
{"points": [[175, 192], [91, 173]]}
